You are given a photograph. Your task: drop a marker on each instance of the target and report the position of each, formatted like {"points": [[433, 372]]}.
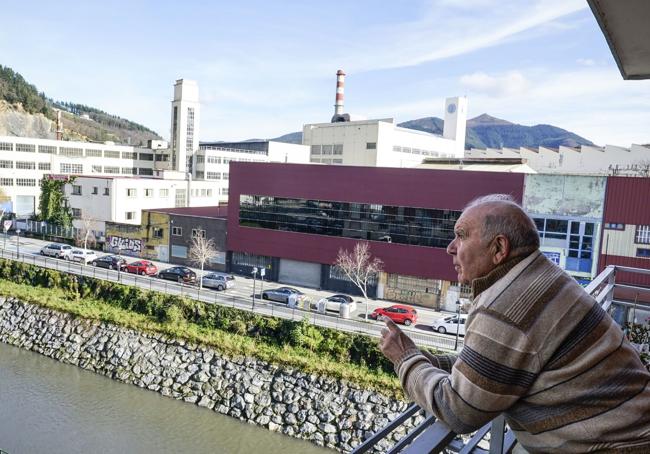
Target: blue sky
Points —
{"points": [[265, 68]]}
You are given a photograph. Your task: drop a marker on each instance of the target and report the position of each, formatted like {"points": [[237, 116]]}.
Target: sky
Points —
{"points": [[265, 68]]}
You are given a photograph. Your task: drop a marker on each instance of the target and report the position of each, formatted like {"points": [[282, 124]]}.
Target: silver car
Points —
{"points": [[218, 281], [281, 294], [83, 256], [61, 251]]}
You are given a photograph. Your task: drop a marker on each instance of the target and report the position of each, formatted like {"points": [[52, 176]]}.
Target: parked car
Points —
{"points": [[141, 267], [281, 294], [399, 313], [83, 256], [61, 251], [218, 281], [450, 324], [179, 274], [333, 303], [112, 262]]}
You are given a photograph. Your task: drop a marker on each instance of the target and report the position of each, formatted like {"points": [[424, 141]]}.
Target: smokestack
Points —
{"points": [[340, 86], [59, 126]]}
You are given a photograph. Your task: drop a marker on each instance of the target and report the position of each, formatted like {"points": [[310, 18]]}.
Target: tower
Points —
{"points": [[339, 99], [456, 123], [185, 125]]}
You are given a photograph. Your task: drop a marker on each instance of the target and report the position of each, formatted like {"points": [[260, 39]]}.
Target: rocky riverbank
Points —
{"points": [[327, 411]]}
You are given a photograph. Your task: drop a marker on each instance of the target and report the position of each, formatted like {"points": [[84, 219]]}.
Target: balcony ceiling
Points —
{"points": [[625, 24]]}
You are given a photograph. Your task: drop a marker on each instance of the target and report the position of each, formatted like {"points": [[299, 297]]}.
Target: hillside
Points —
{"points": [[486, 131], [26, 112]]}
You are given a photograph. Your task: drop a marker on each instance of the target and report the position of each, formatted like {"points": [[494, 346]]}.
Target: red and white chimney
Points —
{"points": [[340, 87]]}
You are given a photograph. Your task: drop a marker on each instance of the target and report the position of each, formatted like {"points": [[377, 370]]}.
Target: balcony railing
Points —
{"points": [[432, 436]]}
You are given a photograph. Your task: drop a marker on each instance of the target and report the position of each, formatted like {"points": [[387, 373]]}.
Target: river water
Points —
{"points": [[50, 407]]}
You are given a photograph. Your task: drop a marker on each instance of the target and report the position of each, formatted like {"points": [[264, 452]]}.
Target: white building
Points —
{"points": [[584, 160], [185, 124], [381, 143]]}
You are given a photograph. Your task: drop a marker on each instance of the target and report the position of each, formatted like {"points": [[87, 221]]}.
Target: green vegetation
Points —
{"points": [[233, 332], [15, 90], [101, 117], [53, 206]]}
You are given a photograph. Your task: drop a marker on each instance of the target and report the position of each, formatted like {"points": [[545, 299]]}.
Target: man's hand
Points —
{"points": [[394, 343]]}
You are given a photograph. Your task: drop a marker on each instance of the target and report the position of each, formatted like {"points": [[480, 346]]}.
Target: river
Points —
{"points": [[50, 407]]}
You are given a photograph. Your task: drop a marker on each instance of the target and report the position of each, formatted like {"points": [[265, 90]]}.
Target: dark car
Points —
{"points": [[178, 274], [112, 262], [142, 267], [399, 313], [281, 294]]}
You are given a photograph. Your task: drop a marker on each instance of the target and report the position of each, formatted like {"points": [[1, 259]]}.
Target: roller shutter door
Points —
{"points": [[299, 273]]}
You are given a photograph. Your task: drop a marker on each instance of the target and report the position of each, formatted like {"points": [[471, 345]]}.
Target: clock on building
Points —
{"points": [[451, 108]]}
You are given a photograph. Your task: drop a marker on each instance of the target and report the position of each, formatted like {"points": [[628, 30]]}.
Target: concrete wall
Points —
{"points": [[324, 410]]}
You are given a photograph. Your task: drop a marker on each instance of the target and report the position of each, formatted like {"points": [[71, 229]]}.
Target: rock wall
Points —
{"points": [[326, 411], [15, 122]]}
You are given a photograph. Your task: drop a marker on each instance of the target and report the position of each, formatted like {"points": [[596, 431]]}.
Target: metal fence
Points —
{"points": [[251, 303]]}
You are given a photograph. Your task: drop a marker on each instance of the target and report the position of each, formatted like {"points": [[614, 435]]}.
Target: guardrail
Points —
{"points": [[432, 436], [228, 298]]}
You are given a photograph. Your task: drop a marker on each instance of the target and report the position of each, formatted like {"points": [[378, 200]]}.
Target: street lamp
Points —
{"points": [[457, 324], [17, 243], [254, 276]]}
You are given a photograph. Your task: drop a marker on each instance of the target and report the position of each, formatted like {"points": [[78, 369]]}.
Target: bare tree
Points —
{"points": [[85, 234], [202, 250], [360, 267]]}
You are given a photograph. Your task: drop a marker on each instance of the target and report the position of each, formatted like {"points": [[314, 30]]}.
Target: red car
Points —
{"points": [[399, 313], [142, 267]]}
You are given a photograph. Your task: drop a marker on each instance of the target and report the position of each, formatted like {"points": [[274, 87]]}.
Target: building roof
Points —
{"points": [[216, 212], [509, 165], [625, 26]]}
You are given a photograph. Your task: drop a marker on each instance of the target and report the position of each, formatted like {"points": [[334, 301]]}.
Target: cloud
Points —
{"points": [[585, 62], [510, 84]]}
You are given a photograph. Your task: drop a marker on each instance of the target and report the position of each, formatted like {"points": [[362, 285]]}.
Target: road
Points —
{"points": [[241, 296]]}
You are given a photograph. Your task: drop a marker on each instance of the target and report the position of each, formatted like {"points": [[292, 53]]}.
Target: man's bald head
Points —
{"points": [[501, 215]]}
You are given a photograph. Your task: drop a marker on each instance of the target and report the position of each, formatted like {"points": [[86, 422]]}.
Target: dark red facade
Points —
{"points": [[422, 188]]}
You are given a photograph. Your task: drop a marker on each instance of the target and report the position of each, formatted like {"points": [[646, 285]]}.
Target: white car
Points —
{"points": [[61, 251], [450, 324], [83, 256], [333, 303], [218, 281]]}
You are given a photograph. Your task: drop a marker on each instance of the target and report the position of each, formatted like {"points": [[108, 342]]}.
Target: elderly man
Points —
{"points": [[537, 348]]}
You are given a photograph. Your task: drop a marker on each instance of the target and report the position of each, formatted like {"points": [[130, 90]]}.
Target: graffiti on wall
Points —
{"points": [[125, 244]]}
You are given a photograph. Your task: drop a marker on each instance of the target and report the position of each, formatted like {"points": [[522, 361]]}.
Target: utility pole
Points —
{"points": [[254, 276], [17, 243]]}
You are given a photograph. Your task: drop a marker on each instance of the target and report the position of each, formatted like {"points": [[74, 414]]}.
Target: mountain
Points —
{"points": [[24, 111], [486, 131]]}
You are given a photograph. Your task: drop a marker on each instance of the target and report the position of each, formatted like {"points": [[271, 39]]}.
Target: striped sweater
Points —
{"points": [[542, 352]]}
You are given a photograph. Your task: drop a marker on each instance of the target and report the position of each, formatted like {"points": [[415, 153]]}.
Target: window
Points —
{"points": [[76, 212], [338, 148], [129, 215], [214, 160], [198, 233], [95, 190], [614, 226], [200, 159], [71, 152], [129, 171], [337, 161], [111, 154], [93, 153], [107, 191], [371, 145], [66, 167], [131, 192], [158, 232], [209, 194], [163, 193], [213, 175], [76, 189], [129, 155], [146, 156], [199, 175], [641, 252], [327, 149], [177, 231], [224, 191], [6, 146], [47, 149], [179, 251], [225, 175], [144, 171], [25, 181], [97, 169], [6, 181], [26, 147], [148, 192], [642, 235], [25, 165], [44, 166], [6, 164], [315, 149], [111, 169]]}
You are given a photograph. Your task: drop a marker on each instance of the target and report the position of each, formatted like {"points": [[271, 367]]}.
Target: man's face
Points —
{"points": [[472, 257]]}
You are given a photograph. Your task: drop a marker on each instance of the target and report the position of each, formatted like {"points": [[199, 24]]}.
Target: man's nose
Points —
{"points": [[451, 249]]}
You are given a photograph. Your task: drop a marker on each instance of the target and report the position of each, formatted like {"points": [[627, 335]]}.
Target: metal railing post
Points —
{"points": [[497, 433]]}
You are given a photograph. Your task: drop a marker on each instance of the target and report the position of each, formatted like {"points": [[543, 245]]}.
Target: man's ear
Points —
{"points": [[501, 249]]}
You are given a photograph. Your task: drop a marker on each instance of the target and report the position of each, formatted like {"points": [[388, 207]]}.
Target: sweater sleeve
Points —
{"points": [[478, 388]]}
